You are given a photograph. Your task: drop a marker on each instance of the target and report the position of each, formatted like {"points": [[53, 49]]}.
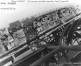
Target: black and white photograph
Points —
{"points": [[40, 33]]}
